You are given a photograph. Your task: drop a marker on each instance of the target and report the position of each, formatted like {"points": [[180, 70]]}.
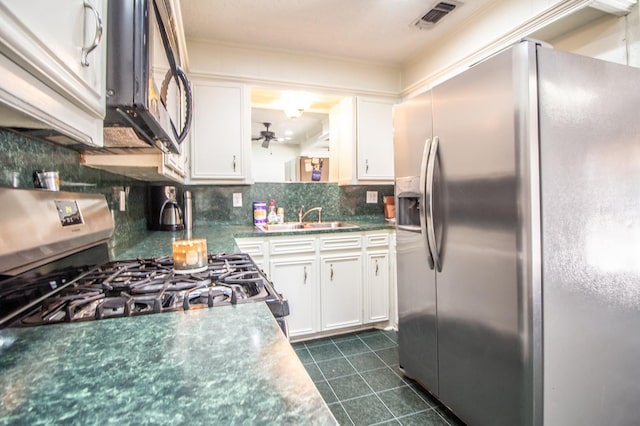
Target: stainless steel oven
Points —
{"points": [[55, 268]]}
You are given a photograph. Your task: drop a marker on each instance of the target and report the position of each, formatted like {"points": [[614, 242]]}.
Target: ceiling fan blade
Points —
{"points": [[257, 139], [266, 135]]}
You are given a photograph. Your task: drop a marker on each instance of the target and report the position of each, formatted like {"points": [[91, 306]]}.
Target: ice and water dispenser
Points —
{"points": [[408, 207]]}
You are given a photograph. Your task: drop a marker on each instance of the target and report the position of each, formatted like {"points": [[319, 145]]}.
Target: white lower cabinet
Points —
{"points": [[256, 248], [332, 281], [341, 290], [377, 288], [296, 280], [378, 276]]}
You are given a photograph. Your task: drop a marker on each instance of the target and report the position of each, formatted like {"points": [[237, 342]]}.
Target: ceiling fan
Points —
{"points": [[266, 136]]}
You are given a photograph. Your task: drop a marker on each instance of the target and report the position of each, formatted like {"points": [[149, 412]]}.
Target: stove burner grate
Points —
{"points": [[143, 286]]}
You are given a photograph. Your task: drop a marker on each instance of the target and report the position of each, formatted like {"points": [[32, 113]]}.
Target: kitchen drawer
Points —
{"points": [[252, 246], [377, 240], [340, 242], [292, 246]]}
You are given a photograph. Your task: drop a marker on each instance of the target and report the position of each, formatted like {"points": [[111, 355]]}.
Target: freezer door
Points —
{"points": [[417, 332], [590, 169], [484, 304]]}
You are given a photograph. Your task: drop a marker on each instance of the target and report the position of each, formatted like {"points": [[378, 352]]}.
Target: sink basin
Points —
{"points": [[304, 226], [281, 227], [328, 225]]}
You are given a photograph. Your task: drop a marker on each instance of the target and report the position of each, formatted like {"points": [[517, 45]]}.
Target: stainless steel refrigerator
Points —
{"points": [[518, 240]]}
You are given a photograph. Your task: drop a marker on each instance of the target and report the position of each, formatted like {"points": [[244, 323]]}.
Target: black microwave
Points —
{"points": [[149, 99]]}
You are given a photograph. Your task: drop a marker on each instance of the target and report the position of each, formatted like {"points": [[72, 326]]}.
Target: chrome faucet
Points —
{"points": [[302, 214]]}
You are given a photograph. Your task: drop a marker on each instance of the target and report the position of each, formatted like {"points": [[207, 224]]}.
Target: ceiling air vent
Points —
{"points": [[435, 14]]}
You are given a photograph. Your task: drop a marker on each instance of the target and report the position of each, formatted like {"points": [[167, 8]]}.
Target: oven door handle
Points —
{"points": [[7, 320]]}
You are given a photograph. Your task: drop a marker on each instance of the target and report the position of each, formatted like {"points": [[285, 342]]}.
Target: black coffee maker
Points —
{"points": [[164, 213]]}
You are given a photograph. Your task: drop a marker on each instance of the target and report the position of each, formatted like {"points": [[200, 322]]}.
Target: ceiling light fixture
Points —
{"points": [[294, 103], [293, 112]]}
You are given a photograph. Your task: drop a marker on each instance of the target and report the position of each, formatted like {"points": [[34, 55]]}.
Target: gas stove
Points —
{"points": [[84, 285], [138, 287]]}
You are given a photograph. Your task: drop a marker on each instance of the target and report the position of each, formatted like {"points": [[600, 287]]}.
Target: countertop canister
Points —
{"points": [[259, 212]]}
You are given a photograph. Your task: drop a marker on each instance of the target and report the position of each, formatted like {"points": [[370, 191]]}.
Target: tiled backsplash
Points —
{"points": [[22, 155], [215, 203]]}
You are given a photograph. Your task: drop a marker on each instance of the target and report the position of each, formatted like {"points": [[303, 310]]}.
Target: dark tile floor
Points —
{"points": [[359, 378]]}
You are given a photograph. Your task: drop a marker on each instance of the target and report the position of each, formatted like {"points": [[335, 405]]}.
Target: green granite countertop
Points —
{"points": [[220, 237], [227, 365]]}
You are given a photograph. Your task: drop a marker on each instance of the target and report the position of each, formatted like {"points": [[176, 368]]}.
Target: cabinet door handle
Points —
{"points": [[234, 163], [377, 267], [97, 37], [366, 166], [305, 275], [331, 275]]}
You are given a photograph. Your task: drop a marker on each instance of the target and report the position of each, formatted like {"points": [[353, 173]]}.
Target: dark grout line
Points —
{"points": [[367, 383], [358, 372], [327, 381], [418, 412]]}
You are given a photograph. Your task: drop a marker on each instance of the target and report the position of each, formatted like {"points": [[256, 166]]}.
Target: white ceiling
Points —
{"points": [[366, 30]]}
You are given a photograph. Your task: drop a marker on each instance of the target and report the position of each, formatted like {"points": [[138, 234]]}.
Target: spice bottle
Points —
{"points": [[280, 214]]}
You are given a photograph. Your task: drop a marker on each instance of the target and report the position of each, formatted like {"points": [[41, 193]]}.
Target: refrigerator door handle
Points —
{"points": [[429, 189], [423, 198]]}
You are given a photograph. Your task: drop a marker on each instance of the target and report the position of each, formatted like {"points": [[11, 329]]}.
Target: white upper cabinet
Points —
{"points": [[220, 148], [53, 63], [374, 135], [362, 140]]}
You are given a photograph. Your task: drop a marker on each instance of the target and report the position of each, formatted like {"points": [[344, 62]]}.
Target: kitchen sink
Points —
{"points": [[281, 227], [328, 225], [304, 226]]}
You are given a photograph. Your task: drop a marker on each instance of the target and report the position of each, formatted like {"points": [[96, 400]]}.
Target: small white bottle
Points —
{"points": [[280, 214]]}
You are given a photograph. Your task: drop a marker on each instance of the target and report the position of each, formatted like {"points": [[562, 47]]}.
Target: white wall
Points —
{"points": [[499, 25], [611, 38], [268, 164], [273, 67], [633, 36]]}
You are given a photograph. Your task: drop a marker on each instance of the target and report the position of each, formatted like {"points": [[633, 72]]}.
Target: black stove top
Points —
{"points": [[136, 287]]}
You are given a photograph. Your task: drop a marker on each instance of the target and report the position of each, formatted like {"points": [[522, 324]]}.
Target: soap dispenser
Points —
{"points": [[272, 217]]}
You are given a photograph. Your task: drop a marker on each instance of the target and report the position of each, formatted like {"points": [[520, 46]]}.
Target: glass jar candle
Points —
{"points": [[190, 255]]}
